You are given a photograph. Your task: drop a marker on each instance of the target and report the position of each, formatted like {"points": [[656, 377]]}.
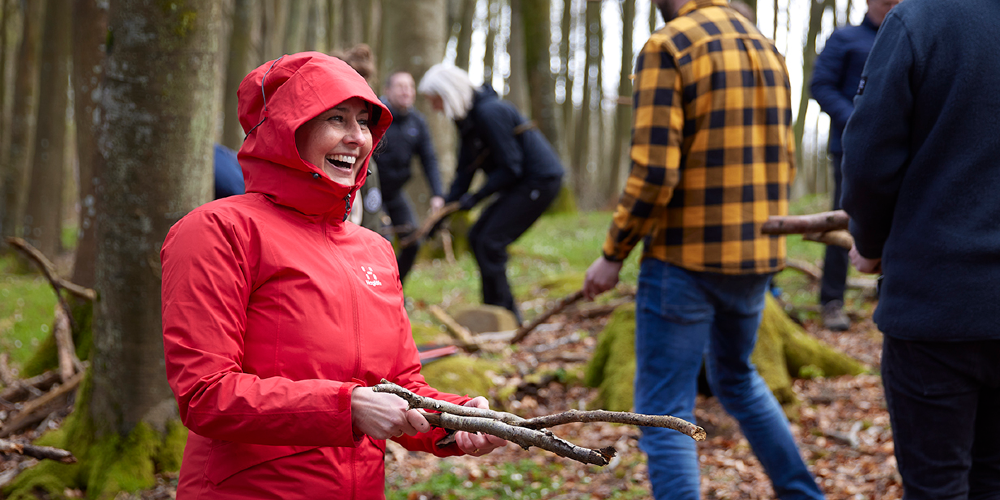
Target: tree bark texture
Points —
{"points": [[517, 79], [566, 73], [581, 150], [238, 64], [15, 172], [89, 34], [160, 108], [537, 40], [463, 45], [8, 11], [42, 223]]}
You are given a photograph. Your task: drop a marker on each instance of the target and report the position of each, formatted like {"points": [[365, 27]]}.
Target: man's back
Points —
{"points": [[921, 158], [713, 127]]}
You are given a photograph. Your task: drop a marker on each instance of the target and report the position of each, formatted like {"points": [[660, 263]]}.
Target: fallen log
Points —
{"points": [[811, 223], [39, 452], [563, 303], [529, 432]]}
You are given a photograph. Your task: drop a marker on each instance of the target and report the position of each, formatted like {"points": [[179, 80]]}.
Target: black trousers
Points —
{"points": [[944, 405], [400, 210], [836, 261], [500, 224]]}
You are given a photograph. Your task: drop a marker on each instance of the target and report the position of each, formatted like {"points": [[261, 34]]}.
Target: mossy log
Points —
{"points": [[783, 351], [106, 465]]}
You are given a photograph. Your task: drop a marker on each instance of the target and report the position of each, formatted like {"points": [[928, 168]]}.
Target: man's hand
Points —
{"points": [[864, 264], [384, 416], [436, 203], [602, 276], [477, 444]]}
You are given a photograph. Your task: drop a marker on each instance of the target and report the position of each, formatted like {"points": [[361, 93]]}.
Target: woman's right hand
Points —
{"points": [[384, 416]]}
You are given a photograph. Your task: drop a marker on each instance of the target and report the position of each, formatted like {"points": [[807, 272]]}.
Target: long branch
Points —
{"points": [[522, 436], [811, 223], [425, 403], [617, 417]]}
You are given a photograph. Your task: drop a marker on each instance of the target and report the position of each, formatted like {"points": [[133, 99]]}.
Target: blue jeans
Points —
{"points": [[683, 317]]}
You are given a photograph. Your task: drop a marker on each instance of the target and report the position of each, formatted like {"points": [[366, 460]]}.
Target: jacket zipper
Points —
{"points": [[356, 322]]}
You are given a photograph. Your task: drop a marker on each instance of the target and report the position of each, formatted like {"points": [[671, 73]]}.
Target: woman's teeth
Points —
{"points": [[342, 161]]}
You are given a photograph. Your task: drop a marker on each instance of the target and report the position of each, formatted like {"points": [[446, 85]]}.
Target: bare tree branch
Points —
{"points": [[563, 303], [39, 452], [811, 223], [840, 238], [525, 433]]}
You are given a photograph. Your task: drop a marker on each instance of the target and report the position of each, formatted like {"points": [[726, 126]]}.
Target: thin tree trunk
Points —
{"points": [[566, 73], [165, 64], [463, 46], [517, 80], [334, 35], [352, 23], [816, 9], [237, 67], [16, 174], [273, 24], [537, 39], [89, 34], [492, 22], [42, 223], [8, 10], [623, 111], [295, 27], [581, 149]]}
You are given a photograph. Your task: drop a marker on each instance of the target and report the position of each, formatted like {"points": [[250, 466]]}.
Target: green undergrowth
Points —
{"points": [[524, 479], [27, 305]]}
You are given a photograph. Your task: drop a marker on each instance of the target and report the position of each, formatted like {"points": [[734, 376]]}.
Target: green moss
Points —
{"points": [[428, 334], [461, 375], [46, 356], [564, 203], [106, 465], [612, 369]]}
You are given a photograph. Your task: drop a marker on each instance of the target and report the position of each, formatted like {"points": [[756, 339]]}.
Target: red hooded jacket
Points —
{"points": [[275, 309]]}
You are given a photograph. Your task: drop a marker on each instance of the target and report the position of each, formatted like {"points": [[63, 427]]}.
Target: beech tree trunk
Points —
{"points": [[15, 171], [537, 39], [160, 113], [517, 80], [463, 47], [623, 110], [238, 64], [581, 150], [89, 34], [42, 223]]}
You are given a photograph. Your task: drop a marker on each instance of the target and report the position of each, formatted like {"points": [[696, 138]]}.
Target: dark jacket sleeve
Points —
{"points": [[498, 132], [877, 139], [428, 159], [828, 74]]}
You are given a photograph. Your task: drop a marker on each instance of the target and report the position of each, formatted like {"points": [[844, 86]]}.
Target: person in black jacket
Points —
{"points": [[520, 164], [408, 135], [834, 82], [921, 183]]}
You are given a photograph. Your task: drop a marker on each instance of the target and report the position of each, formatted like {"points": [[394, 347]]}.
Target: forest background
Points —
{"points": [[109, 111]]}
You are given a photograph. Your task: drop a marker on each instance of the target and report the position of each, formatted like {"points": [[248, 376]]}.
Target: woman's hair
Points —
{"points": [[452, 85], [361, 58]]}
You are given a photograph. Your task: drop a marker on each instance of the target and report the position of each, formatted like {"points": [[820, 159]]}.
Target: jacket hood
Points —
{"points": [[274, 101]]}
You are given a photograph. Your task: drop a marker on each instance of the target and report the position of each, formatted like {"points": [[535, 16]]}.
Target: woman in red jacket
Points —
{"points": [[278, 315]]}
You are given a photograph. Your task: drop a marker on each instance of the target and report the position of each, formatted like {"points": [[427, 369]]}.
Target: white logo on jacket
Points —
{"points": [[370, 277]]}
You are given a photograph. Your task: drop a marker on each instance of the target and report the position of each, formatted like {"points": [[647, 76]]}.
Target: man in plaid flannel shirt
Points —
{"points": [[712, 159]]}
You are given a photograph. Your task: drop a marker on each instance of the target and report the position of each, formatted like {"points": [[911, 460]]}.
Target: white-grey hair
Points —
{"points": [[452, 85]]}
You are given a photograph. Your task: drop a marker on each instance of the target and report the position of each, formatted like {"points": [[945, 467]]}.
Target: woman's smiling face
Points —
{"points": [[337, 141]]}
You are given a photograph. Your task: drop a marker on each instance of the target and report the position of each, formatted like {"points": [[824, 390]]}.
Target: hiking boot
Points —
{"points": [[834, 318]]}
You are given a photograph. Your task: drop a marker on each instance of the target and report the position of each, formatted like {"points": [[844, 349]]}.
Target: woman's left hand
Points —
{"points": [[477, 444]]}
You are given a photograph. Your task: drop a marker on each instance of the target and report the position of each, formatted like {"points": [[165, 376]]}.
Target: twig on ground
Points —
{"points": [[39, 452], [457, 331], [563, 303]]}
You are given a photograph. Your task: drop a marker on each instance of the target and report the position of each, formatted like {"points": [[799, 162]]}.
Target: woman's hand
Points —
{"points": [[477, 444], [384, 416], [864, 264]]}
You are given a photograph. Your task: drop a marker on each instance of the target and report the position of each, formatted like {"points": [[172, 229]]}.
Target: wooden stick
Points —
{"points": [[459, 332], [812, 223], [65, 349], [813, 272], [840, 238], [429, 224], [563, 303], [50, 271], [23, 389], [39, 452], [525, 432], [27, 413]]}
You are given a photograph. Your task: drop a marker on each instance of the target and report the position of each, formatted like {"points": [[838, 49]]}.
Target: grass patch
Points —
{"points": [[27, 303]]}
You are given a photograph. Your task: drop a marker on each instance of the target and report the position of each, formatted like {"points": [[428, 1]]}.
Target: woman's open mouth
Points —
{"points": [[343, 162]]}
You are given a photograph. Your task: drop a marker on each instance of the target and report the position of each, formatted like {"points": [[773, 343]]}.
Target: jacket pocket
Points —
{"points": [[227, 458]]}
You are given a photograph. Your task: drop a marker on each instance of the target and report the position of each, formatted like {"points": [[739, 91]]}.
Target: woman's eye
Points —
{"points": [[336, 118], [363, 122]]}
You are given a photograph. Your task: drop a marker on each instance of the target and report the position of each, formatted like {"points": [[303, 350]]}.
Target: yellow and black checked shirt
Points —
{"points": [[712, 146]]}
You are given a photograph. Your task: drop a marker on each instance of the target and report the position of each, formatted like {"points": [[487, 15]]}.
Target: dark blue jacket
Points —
{"points": [[407, 135], [837, 73], [492, 143], [922, 169], [228, 173]]}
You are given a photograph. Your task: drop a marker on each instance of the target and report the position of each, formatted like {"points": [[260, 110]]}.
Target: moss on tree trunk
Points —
{"points": [[106, 465], [783, 351]]}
